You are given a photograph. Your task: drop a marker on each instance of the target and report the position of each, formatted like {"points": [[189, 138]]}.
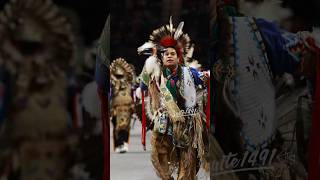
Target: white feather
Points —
{"points": [[145, 46], [178, 32], [138, 93], [152, 67], [194, 64], [269, 9], [170, 24]]}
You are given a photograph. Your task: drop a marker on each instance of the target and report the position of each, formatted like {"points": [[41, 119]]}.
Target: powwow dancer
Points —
{"points": [[179, 132], [121, 103]]}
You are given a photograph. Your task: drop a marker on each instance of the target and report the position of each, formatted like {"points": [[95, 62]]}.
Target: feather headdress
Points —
{"points": [[168, 36], [120, 67]]}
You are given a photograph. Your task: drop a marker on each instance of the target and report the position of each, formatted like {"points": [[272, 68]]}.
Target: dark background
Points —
{"points": [[92, 15], [133, 21], [138, 20]]}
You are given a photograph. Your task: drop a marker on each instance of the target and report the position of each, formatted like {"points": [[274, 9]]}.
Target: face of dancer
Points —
{"points": [[170, 58]]}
